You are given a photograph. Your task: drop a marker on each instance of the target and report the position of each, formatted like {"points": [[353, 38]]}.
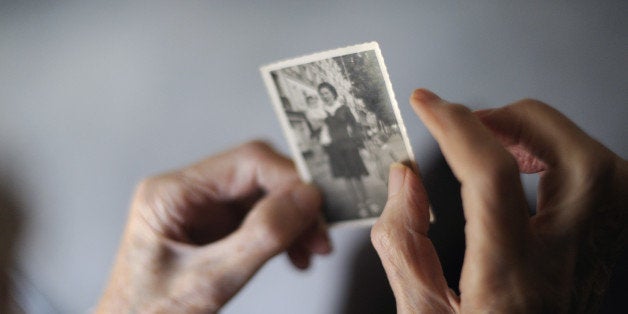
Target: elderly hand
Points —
{"points": [[195, 236], [557, 260]]}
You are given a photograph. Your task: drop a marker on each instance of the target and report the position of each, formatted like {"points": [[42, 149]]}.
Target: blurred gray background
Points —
{"points": [[95, 95]]}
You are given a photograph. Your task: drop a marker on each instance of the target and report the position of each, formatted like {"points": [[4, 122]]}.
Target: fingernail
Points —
{"points": [[424, 95], [395, 178], [306, 196], [302, 263], [321, 244]]}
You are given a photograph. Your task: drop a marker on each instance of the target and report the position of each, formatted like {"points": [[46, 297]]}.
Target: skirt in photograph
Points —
{"points": [[345, 160]]}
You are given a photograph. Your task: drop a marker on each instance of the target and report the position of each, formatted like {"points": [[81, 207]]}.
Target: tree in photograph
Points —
{"points": [[363, 70]]}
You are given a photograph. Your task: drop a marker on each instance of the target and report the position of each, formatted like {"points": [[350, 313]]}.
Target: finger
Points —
{"points": [[494, 203], [279, 219], [527, 161], [299, 256], [273, 225], [542, 130], [317, 239], [313, 241], [237, 173], [407, 254], [570, 157], [228, 183], [233, 175]]}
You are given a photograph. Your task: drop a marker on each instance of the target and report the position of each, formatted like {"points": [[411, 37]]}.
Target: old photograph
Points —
{"points": [[341, 119]]}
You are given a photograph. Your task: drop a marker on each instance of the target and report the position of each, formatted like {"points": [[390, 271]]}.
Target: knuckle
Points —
{"points": [[532, 102], [274, 239], [207, 295], [378, 233], [529, 103], [145, 189], [214, 301], [219, 294], [594, 171], [381, 237], [457, 110], [269, 235], [260, 152], [155, 204], [257, 148], [497, 170], [387, 242], [261, 156], [158, 191], [278, 220]]}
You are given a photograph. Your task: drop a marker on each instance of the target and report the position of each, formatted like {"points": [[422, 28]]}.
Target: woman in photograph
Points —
{"points": [[341, 139]]}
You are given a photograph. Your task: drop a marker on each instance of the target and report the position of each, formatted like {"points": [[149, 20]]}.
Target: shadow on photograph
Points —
{"points": [[10, 226]]}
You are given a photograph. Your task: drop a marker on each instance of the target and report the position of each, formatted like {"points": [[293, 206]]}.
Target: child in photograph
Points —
{"points": [[315, 115]]}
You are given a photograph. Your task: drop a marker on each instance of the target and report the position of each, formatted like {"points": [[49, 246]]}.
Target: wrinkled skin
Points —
{"points": [[558, 260], [195, 236]]}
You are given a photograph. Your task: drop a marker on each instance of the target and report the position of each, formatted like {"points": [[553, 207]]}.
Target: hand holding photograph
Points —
{"points": [[339, 114]]}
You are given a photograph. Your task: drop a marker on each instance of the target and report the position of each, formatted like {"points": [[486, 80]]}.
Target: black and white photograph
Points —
{"points": [[343, 125]]}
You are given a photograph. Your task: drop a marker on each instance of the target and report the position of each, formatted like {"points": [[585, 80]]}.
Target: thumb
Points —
{"points": [[407, 254], [274, 223]]}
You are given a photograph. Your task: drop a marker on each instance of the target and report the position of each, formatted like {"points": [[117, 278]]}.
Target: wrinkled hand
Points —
{"points": [[195, 236], [558, 260]]}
